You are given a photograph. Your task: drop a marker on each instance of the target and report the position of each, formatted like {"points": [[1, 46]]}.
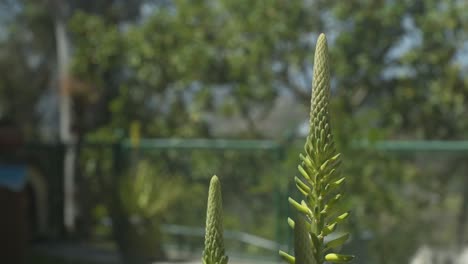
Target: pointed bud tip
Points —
{"points": [[214, 180], [322, 38]]}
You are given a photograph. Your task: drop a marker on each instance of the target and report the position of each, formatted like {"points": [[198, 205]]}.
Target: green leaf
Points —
{"points": [[338, 258], [341, 217], [286, 257], [337, 241], [307, 161], [335, 184], [304, 173], [330, 208], [300, 208], [332, 162], [328, 229], [291, 223], [302, 187]]}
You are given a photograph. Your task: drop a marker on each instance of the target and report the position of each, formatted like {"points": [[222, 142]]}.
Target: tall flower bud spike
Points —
{"points": [[321, 180], [320, 138], [214, 243]]}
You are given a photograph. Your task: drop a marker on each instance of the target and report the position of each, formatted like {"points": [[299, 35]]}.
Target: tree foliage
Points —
{"points": [[399, 72]]}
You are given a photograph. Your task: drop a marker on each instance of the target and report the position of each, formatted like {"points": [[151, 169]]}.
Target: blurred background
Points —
{"points": [[115, 114]]}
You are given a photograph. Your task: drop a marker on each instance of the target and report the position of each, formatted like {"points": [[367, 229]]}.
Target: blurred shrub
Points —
{"points": [[147, 195]]}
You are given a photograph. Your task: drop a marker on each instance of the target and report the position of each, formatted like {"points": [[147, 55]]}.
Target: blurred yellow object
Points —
{"points": [[135, 135]]}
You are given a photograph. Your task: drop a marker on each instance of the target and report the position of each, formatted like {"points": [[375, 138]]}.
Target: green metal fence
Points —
{"points": [[256, 177], [252, 173]]}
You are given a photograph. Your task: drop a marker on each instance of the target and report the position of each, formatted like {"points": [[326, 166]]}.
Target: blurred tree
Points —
{"points": [[198, 56], [397, 68], [27, 44], [190, 58], [395, 55], [399, 73], [28, 48]]}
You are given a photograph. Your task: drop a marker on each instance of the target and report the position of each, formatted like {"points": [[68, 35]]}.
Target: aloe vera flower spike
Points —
{"points": [[321, 179], [214, 252]]}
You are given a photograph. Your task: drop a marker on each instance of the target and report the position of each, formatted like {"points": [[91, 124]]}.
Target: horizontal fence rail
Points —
{"points": [[202, 143], [119, 151], [228, 234], [415, 145]]}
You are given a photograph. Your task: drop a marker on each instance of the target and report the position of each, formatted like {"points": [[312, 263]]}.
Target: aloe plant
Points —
{"points": [[320, 182], [214, 252]]}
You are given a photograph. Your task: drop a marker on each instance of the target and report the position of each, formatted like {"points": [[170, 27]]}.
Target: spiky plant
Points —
{"points": [[320, 168], [214, 243]]}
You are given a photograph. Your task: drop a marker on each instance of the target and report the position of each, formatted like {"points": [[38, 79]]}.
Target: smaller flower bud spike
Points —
{"points": [[214, 242]]}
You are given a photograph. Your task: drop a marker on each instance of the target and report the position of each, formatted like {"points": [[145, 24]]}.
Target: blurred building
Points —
{"points": [[29, 193]]}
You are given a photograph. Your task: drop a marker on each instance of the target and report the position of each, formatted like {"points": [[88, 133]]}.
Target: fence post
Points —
{"points": [[279, 197], [120, 223]]}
